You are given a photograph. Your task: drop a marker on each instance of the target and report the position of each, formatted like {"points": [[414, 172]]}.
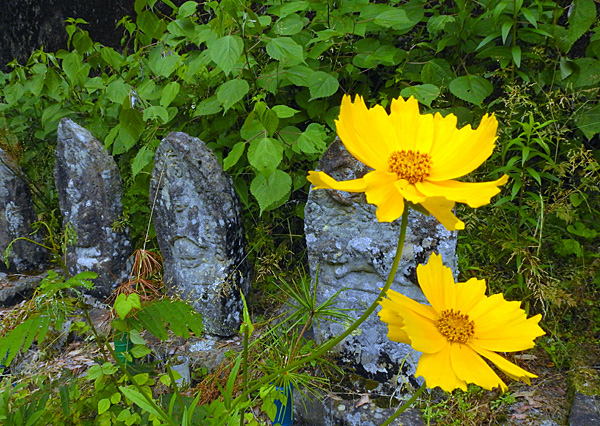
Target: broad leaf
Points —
{"points": [[231, 92], [471, 88], [272, 191], [226, 51]]}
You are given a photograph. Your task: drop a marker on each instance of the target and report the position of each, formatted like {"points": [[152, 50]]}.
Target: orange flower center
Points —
{"points": [[455, 326], [410, 165]]}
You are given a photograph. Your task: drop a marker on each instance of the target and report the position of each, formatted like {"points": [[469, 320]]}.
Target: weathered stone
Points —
{"points": [[351, 253], [359, 411], [15, 289], [89, 188], [197, 216], [16, 216], [585, 410]]}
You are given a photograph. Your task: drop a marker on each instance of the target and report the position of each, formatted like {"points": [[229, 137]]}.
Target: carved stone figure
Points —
{"points": [[16, 216], [197, 216], [349, 250], [89, 188]]}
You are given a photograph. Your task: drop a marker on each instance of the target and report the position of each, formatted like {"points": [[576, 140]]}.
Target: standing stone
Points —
{"points": [[197, 216], [89, 188], [350, 251], [16, 216]]}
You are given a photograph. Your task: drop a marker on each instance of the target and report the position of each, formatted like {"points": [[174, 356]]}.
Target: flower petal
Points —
{"points": [[403, 304], [469, 294], [322, 180], [390, 315], [437, 283], [405, 116], [382, 192], [437, 370], [441, 209], [516, 337], [366, 133], [409, 191], [511, 370], [471, 368], [475, 194], [423, 333], [459, 152]]}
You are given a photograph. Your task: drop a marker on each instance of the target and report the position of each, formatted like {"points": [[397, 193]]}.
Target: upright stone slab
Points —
{"points": [[89, 188], [348, 249], [197, 216], [16, 216]]}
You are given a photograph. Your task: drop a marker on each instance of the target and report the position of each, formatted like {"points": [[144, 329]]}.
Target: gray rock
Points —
{"points": [[89, 188], [349, 250], [330, 410], [197, 216], [16, 217], [16, 288], [585, 410]]}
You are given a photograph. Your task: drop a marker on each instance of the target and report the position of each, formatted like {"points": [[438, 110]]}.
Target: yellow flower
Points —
{"points": [[461, 326], [413, 157]]}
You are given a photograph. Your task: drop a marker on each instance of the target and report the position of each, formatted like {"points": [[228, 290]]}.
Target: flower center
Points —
{"points": [[410, 165], [455, 326]]}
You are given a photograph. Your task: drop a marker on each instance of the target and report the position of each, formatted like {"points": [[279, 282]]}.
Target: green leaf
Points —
{"points": [[226, 51], [588, 121], [169, 92], [103, 405], [234, 155], [186, 9], [582, 17], [300, 75], [141, 160], [132, 124], [156, 112], [322, 85], [516, 55], [285, 49], [284, 111], [424, 93], [111, 57], [437, 72], [471, 88], [392, 18], [265, 155], [208, 106], [312, 140], [272, 191], [231, 92], [139, 400], [163, 63], [117, 91], [290, 25], [13, 93]]}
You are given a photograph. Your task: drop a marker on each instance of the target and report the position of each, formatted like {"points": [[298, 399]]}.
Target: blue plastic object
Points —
{"points": [[285, 414]]}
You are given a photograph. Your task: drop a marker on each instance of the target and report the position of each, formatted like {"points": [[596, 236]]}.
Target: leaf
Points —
{"points": [[290, 25], [226, 51], [186, 9], [392, 18], [284, 111], [471, 88], [169, 92], [103, 405], [437, 72], [265, 155], [234, 155], [156, 112], [424, 93], [208, 106], [582, 16], [312, 140], [117, 91], [141, 160], [139, 400], [589, 122], [322, 85], [285, 49], [272, 191], [231, 92], [300, 75]]}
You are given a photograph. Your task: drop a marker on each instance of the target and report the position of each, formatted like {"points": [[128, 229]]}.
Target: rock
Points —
{"points": [[351, 253], [359, 411], [89, 188], [16, 217], [585, 410], [197, 216], [14, 289]]}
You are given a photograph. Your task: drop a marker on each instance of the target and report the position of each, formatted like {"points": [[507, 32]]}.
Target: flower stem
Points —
{"points": [[329, 345], [404, 406]]}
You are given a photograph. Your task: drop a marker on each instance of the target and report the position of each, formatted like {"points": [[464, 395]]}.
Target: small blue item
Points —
{"points": [[285, 414]]}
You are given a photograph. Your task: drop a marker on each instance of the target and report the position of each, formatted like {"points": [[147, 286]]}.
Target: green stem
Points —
{"points": [[404, 406], [244, 369], [329, 345]]}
